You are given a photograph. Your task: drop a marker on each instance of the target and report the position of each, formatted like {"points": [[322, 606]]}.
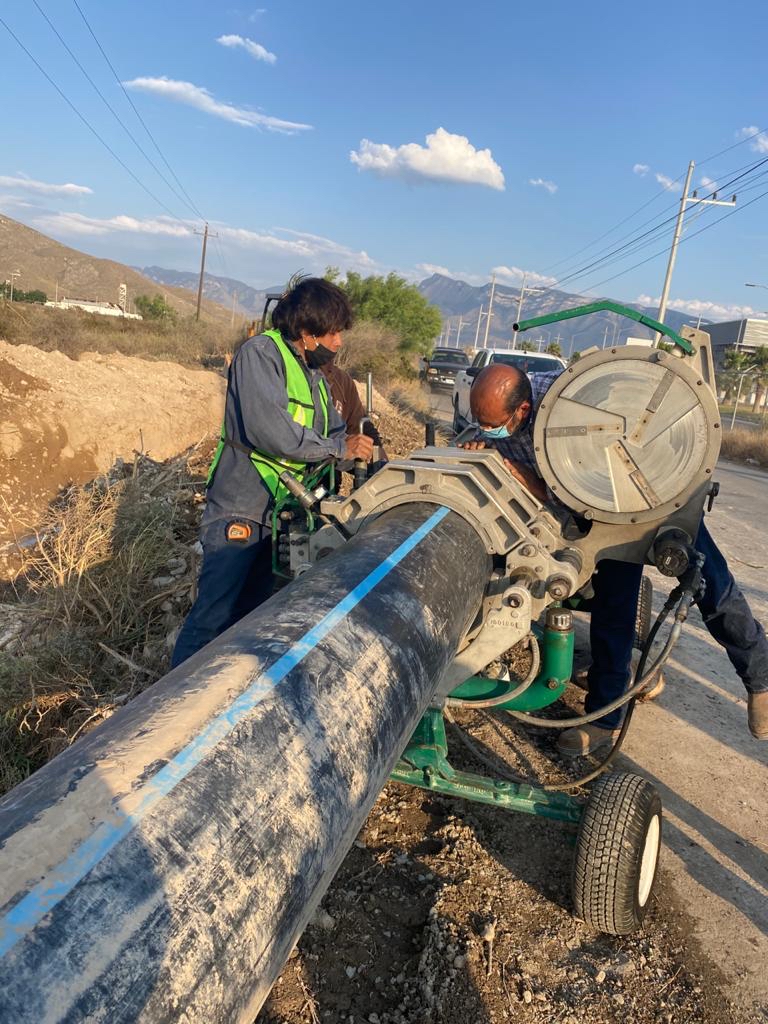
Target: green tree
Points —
{"points": [[735, 362], [393, 302], [554, 348], [574, 358], [527, 346], [155, 308], [36, 296], [760, 376]]}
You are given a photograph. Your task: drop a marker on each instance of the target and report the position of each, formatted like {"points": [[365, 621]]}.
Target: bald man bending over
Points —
{"points": [[504, 401]]}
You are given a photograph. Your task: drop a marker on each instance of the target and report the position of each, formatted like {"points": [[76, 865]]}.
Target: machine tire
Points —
{"points": [[617, 853], [644, 613]]}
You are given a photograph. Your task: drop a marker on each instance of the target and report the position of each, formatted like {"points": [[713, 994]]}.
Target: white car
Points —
{"points": [[529, 362]]}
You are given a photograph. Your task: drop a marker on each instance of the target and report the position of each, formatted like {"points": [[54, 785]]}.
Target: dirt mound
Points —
{"points": [[64, 421]]}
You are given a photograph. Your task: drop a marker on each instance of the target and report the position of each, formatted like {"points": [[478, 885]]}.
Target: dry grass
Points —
{"points": [[744, 445], [371, 348], [97, 601], [74, 331]]}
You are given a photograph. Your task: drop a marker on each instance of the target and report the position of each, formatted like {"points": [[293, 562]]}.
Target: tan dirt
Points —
{"points": [[64, 421]]}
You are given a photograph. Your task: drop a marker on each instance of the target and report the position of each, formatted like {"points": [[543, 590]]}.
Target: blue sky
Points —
{"points": [[407, 136]]}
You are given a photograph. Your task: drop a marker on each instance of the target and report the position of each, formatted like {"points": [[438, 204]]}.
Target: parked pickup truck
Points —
{"points": [[442, 366], [530, 362]]}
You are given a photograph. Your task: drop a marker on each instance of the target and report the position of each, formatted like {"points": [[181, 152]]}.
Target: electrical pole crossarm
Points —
{"points": [[610, 307]]}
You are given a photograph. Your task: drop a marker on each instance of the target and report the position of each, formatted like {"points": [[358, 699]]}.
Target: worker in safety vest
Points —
{"points": [[278, 416]]}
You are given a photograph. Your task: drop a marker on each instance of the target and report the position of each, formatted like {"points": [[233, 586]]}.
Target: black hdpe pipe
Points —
{"points": [[163, 867]]}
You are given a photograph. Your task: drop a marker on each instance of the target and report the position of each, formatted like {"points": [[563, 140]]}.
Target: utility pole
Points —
{"points": [[462, 323], [523, 290], [206, 234], [14, 275], [490, 314], [447, 332], [477, 329], [605, 336], [234, 300], [685, 199]]}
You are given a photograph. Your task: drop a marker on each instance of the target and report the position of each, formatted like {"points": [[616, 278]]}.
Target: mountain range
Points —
{"points": [[58, 269], [460, 302]]}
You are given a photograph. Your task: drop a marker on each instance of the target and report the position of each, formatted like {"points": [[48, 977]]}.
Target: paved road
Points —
{"points": [[713, 776]]}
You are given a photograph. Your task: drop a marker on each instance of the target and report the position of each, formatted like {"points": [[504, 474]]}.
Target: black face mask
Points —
{"points": [[319, 356]]}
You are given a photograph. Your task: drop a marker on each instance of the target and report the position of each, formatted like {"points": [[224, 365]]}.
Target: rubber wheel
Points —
{"points": [[644, 612], [617, 853]]}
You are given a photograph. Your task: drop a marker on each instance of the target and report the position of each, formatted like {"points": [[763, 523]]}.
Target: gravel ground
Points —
{"points": [[446, 911]]}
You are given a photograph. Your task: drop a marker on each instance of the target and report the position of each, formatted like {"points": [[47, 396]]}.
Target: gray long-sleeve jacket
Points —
{"points": [[255, 415]]}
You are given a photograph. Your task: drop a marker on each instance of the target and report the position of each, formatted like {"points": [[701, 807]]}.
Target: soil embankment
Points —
{"points": [[64, 421]]}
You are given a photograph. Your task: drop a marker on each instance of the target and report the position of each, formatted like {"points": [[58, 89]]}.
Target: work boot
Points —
{"points": [[654, 689], [757, 711], [585, 739]]}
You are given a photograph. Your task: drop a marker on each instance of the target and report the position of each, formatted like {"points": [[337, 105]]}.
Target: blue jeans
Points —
{"points": [[724, 609], [235, 578]]}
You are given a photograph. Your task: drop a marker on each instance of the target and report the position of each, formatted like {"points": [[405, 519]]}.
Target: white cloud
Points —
{"points": [[668, 183], [708, 183], [703, 308], [446, 157], [641, 169], [300, 246], [79, 224], [514, 276], [44, 188], [198, 97], [256, 50], [550, 186], [759, 143]]}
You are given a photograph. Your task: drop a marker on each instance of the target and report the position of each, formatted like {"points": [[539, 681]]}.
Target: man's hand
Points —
{"points": [[528, 479], [473, 446], [359, 447]]}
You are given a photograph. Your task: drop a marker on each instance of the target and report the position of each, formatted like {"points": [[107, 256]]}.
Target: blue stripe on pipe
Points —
{"points": [[40, 900]]}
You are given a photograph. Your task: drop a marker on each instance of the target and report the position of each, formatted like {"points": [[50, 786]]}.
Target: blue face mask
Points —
{"points": [[497, 432]]}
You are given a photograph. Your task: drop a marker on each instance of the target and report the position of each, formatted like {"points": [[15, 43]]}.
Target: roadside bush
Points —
{"points": [[744, 445], [73, 332], [372, 348]]}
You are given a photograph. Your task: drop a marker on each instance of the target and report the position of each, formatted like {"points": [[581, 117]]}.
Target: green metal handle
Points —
{"points": [[610, 307]]}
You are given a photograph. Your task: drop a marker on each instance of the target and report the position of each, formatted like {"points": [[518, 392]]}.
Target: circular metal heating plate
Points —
{"points": [[627, 435]]}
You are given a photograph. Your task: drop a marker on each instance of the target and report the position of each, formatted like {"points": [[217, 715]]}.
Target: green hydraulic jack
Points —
{"points": [[424, 762]]}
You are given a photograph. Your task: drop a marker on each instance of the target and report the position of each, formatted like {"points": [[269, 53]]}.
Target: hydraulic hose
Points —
{"points": [[503, 698], [686, 595]]}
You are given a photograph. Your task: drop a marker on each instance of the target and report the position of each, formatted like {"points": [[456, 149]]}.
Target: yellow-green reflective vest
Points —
{"points": [[299, 403]]}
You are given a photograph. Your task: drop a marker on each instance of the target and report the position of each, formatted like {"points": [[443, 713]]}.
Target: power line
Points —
{"points": [[713, 156], [688, 238], [110, 108], [127, 95], [631, 247], [86, 122]]}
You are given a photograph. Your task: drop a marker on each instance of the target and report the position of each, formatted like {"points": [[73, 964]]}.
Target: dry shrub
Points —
{"points": [[371, 348], [73, 332], [98, 597], [745, 445]]}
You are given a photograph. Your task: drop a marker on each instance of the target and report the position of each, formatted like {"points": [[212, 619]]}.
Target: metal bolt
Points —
{"points": [[552, 683], [514, 601], [527, 550]]}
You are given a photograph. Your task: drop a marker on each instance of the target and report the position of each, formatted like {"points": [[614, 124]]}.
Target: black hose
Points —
{"points": [[683, 595]]}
